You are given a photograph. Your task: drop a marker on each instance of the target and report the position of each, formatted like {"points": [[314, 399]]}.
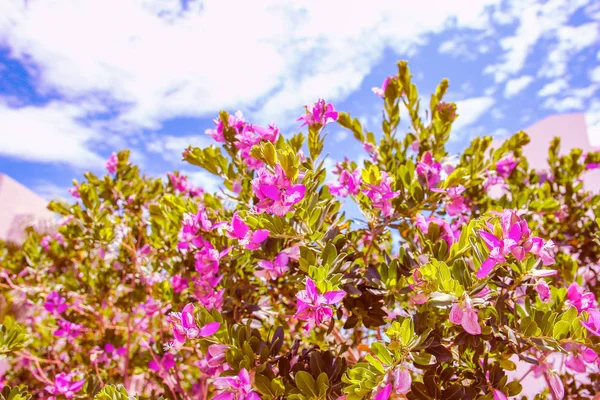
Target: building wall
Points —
{"points": [[573, 131], [19, 208]]}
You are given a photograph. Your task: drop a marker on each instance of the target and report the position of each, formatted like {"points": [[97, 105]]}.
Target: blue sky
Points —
{"points": [[79, 80]]}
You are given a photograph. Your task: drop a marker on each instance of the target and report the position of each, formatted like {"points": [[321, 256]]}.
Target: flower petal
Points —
{"points": [[209, 329]]}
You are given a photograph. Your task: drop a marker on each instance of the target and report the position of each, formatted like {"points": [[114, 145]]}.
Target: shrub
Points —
{"points": [[455, 269]]}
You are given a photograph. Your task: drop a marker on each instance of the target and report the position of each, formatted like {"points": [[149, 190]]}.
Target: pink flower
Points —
{"points": [[382, 194], [465, 315], [206, 293], [251, 240], [179, 182], [111, 163], [236, 387], [495, 186], [592, 166], [429, 170], [179, 283], [319, 114], [55, 304], [67, 330], [515, 241], [384, 393], [456, 203], [381, 91], [64, 385], [214, 360], [505, 166], [575, 362], [313, 306], [275, 192], [593, 322], [272, 270], [402, 380], [543, 290], [164, 364], [185, 326], [446, 232], [499, 395], [556, 385], [544, 250], [581, 300], [348, 184], [74, 191], [235, 121], [191, 226], [236, 186]]}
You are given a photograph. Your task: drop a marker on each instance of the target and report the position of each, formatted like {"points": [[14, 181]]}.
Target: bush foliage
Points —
{"points": [[453, 270]]}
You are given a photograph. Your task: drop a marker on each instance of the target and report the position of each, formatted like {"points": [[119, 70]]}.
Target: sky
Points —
{"points": [[81, 79]]}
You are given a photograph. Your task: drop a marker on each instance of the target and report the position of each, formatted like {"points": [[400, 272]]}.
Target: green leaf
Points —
{"points": [[306, 383], [561, 330], [323, 384]]}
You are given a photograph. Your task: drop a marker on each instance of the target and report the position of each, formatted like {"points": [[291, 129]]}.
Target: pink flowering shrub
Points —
{"points": [[457, 269]]}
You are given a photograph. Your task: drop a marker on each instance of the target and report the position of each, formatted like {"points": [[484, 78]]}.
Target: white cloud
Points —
{"points": [[574, 99], [517, 85], [553, 88], [470, 110], [51, 191], [535, 20], [448, 47], [340, 136], [570, 41], [595, 74], [170, 147], [570, 103], [203, 179], [158, 61], [51, 133]]}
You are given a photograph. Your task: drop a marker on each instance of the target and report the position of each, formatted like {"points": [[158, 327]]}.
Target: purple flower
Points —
{"points": [[543, 290], [505, 166], [465, 315], [499, 395], [593, 322], [238, 229], [164, 364], [275, 192], [185, 326], [213, 362], [447, 233], [67, 329], [556, 385], [64, 385], [581, 300], [544, 250], [111, 163], [382, 194], [313, 306], [55, 304], [236, 387], [347, 184], [429, 169], [456, 202], [381, 91], [74, 191], [384, 393], [179, 283], [319, 114], [271, 270], [495, 186], [402, 380], [515, 241], [235, 121]]}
